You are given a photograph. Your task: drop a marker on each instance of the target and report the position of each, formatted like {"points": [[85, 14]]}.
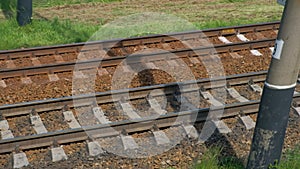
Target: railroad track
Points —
{"points": [[125, 128], [56, 79], [135, 93], [101, 64], [34, 58], [106, 129], [64, 70], [103, 123], [35, 53]]}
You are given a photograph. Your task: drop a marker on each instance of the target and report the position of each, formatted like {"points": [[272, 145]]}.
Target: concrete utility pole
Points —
{"points": [[24, 12], [278, 92]]}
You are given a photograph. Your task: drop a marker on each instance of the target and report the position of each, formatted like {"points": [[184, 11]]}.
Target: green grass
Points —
{"points": [[233, 1], [50, 3], [213, 160], [141, 25], [291, 159], [8, 4], [84, 25], [11, 4], [41, 32], [233, 22], [8, 8]]}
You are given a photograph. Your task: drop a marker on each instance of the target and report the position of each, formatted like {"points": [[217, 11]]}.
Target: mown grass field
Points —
{"points": [[11, 4], [71, 21]]}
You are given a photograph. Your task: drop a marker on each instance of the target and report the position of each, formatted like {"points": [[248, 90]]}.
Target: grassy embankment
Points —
{"points": [[41, 31], [51, 30]]}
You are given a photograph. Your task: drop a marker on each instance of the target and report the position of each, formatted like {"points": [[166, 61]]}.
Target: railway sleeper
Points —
{"points": [[128, 110], [191, 131], [10, 64], [127, 69], [224, 40], [235, 94], [36, 61], [211, 99], [99, 114], [221, 126], [53, 77], [3, 84], [26, 80], [272, 49], [247, 122], [59, 58], [255, 87], [256, 52], [58, 154], [71, 120], [151, 65], [172, 63], [5, 131], [37, 124], [94, 148], [235, 55], [242, 37], [155, 105], [20, 160], [161, 138], [128, 142], [79, 75], [185, 103], [296, 109], [194, 60], [102, 71]]}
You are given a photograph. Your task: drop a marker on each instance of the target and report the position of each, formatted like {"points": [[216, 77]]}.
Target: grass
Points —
{"points": [[291, 159], [42, 32], [50, 3], [140, 25], [213, 160], [11, 4], [75, 25], [232, 1], [222, 23]]}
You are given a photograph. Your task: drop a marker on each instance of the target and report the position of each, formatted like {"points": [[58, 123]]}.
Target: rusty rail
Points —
{"points": [[114, 61], [117, 43]]}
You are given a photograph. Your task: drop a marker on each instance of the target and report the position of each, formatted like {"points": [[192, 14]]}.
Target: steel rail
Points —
{"points": [[114, 128], [117, 43], [114, 61], [135, 93]]}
